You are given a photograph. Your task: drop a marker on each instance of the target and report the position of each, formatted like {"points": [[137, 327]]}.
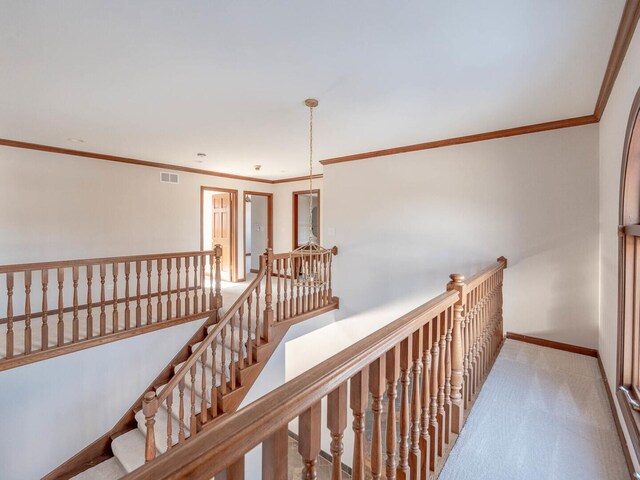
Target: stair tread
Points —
{"points": [[129, 449], [160, 427]]}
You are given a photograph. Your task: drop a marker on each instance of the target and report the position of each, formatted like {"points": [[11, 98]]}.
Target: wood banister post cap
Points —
{"points": [[149, 403], [503, 260], [334, 250], [457, 278]]}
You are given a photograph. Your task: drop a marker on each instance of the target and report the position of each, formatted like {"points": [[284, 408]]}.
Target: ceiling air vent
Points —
{"points": [[166, 177]]}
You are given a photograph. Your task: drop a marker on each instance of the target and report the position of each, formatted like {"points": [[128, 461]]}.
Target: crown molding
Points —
{"points": [[145, 163], [479, 137], [626, 29]]}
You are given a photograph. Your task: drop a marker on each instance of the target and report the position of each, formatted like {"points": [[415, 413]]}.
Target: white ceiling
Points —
{"points": [[163, 80]]}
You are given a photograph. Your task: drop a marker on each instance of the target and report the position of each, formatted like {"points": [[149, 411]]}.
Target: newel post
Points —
{"points": [[268, 308], [149, 408], [457, 407], [218, 277]]}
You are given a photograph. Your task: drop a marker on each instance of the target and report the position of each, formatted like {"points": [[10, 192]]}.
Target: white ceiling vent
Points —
{"points": [[167, 177]]}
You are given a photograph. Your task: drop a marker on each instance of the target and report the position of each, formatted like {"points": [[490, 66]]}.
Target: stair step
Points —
{"points": [[129, 449]]}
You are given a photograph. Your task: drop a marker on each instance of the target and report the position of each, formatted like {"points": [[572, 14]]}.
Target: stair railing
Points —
{"points": [[441, 352], [53, 308], [230, 349]]}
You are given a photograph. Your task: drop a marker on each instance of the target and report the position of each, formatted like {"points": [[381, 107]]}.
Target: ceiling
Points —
{"points": [[163, 80]]}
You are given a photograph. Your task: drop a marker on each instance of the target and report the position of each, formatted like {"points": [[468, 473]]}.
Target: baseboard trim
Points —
{"points": [[567, 347], [616, 420]]}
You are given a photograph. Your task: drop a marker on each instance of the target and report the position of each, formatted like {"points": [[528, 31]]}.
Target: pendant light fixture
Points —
{"points": [[308, 260]]}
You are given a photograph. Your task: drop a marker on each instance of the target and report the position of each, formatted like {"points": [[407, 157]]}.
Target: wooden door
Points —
{"points": [[221, 228]]}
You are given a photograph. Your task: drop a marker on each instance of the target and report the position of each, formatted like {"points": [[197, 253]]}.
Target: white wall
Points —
{"points": [[612, 132], [403, 223], [51, 410]]}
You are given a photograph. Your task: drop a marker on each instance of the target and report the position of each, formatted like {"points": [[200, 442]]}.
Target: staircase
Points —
{"points": [[211, 375]]}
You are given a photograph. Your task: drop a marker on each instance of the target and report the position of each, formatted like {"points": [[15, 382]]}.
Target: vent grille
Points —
{"points": [[167, 177]]}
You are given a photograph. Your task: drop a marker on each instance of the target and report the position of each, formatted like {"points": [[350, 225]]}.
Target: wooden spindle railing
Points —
{"points": [[236, 344], [413, 350], [26, 334]]}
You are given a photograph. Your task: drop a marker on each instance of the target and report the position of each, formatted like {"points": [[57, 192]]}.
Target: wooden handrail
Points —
{"points": [[21, 267], [78, 304], [485, 273], [455, 351]]}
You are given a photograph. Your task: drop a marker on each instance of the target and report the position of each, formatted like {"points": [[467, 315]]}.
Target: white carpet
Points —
{"points": [[541, 414]]}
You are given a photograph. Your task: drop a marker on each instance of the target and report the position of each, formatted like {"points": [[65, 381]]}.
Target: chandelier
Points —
{"points": [[309, 261]]}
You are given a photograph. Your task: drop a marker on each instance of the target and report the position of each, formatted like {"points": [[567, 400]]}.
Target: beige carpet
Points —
{"points": [[541, 414]]}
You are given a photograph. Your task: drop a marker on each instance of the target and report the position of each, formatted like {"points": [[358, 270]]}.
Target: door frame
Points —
{"points": [[233, 209], [294, 209], [269, 221]]}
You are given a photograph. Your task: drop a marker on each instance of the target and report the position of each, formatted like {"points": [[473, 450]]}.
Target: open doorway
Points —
{"points": [[304, 202], [258, 227], [219, 226]]}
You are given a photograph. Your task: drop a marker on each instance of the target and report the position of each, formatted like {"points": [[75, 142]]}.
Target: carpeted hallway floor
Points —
{"points": [[541, 414]]}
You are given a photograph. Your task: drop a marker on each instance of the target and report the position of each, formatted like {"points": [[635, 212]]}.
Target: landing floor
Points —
{"points": [[541, 414]]}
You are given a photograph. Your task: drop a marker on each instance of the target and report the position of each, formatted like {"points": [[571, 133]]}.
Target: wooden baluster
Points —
{"points": [[275, 453], [434, 433], [178, 291], [181, 435], [223, 360], [267, 318], [467, 345], [75, 270], [27, 311], [240, 337], [218, 276], [203, 291], [138, 309], [309, 441], [89, 301], [337, 423], [203, 392], [103, 300], [472, 351], [447, 373], [214, 392], [169, 421], [258, 332], [159, 302], [359, 401], [9, 353], [392, 374], [169, 294], [324, 279], [149, 307], [44, 336], [299, 291], [457, 407], [442, 419], [425, 438], [377, 382], [193, 422], [213, 262], [249, 331], [285, 288], [149, 408], [196, 304], [278, 265], [114, 316], [60, 307], [127, 310], [235, 471], [334, 251], [187, 295], [405, 370], [415, 455], [232, 360]]}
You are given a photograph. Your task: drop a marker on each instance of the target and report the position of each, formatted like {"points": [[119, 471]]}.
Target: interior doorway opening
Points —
{"points": [[219, 226], [258, 227]]}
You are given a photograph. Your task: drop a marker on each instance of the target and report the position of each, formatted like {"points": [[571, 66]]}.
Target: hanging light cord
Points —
{"points": [[310, 173]]}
